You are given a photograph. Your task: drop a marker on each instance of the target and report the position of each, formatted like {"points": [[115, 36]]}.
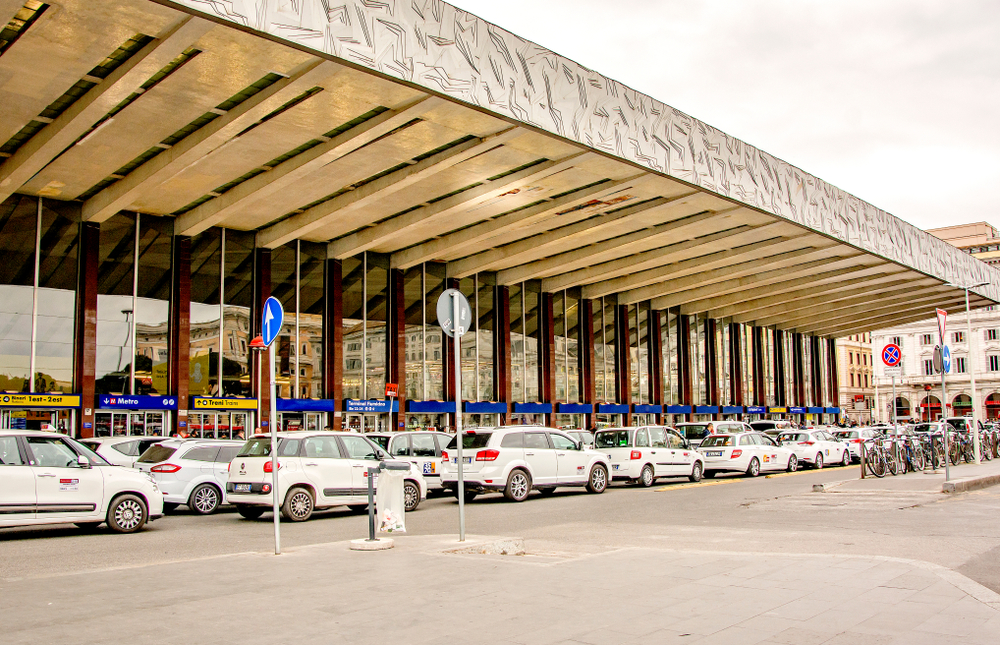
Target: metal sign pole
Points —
{"points": [[895, 422], [272, 417], [458, 413], [972, 376]]}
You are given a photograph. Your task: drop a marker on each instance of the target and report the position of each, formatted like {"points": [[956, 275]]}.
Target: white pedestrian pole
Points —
{"points": [[456, 317], [273, 422], [972, 375], [895, 422]]}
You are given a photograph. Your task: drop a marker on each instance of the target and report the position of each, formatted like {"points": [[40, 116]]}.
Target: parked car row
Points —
{"points": [[47, 478]]}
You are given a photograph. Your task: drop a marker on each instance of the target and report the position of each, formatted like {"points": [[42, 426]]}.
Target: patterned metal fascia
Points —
{"points": [[456, 54]]}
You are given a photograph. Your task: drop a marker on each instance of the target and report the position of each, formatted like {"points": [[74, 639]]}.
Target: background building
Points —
{"points": [[857, 385]]}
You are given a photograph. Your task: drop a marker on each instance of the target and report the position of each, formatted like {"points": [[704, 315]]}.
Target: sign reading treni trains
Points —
{"points": [[209, 403]]}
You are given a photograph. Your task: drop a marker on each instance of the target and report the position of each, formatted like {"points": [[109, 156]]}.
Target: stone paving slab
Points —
{"points": [[420, 593]]}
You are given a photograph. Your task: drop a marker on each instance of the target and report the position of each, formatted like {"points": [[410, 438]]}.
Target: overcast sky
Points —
{"points": [[893, 101]]}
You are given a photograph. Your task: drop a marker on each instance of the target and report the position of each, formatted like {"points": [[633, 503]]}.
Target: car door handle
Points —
{"points": [[312, 464], [46, 475], [652, 452], [560, 454], [358, 466], [529, 454]]}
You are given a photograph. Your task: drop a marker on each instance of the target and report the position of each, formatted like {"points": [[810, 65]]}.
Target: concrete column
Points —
{"points": [[180, 330], [261, 292], [85, 363], [587, 386], [501, 349], [333, 339], [396, 343]]}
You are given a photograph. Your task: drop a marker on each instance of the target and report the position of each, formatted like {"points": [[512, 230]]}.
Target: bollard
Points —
{"points": [[862, 456]]}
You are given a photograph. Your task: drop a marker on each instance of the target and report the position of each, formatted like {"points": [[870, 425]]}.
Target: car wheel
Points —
{"points": [[127, 514], [696, 472], [411, 496], [845, 461], [646, 476], [87, 526], [754, 468], [518, 486], [793, 464], [819, 461], [250, 512], [598, 481], [298, 506], [205, 499]]}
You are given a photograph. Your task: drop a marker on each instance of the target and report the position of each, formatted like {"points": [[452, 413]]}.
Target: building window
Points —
{"points": [[928, 368], [850, 357], [960, 367], [994, 362], [897, 340], [958, 337], [991, 334], [926, 339], [852, 379]]}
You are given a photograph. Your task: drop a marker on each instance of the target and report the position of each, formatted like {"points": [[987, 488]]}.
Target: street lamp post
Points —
{"points": [[972, 367]]}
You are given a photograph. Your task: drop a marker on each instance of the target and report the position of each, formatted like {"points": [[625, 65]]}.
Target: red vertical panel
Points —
{"points": [[712, 362], [548, 347], [736, 374], [396, 329], [262, 291], [180, 329], [86, 327], [333, 338], [779, 369], [586, 350], [623, 358], [684, 360], [834, 369], [798, 370], [501, 339], [757, 352], [655, 361]]}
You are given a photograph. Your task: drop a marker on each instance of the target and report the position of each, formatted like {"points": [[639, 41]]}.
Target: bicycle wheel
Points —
{"points": [[938, 455], [954, 453], [876, 464], [917, 458], [892, 462]]}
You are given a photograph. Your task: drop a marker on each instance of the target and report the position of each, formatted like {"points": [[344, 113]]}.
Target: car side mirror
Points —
{"points": [[82, 461]]}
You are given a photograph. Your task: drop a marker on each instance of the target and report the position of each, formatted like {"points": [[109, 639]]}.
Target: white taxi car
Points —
{"points": [[120, 451], [420, 447], [854, 438], [190, 472], [48, 478], [643, 454], [515, 459], [816, 447], [746, 452], [316, 470]]}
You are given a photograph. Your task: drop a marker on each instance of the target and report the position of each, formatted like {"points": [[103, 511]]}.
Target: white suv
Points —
{"points": [[420, 447], [641, 454], [48, 478], [316, 470], [190, 471], [516, 459]]}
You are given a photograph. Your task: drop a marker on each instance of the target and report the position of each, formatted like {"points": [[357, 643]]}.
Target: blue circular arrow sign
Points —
{"points": [[271, 319], [946, 359]]}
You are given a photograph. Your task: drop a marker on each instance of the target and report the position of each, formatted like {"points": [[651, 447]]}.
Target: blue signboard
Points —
{"points": [[486, 407], [576, 408], [612, 408], [372, 405], [136, 402], [796, 410], [815, 410], [271, 320], [431, 407], [706, 409], [645, 408], [533, 408], [756, 409], [732, 409], [306, 405], [678, 409], [833, 410]]}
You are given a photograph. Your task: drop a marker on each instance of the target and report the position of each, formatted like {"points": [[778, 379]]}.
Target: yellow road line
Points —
{"points": [[811, 470], [718, 482]]}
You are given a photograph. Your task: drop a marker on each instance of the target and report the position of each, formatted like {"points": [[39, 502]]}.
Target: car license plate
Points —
{"points": [[713, 453], [465, 460], [242, 488]]}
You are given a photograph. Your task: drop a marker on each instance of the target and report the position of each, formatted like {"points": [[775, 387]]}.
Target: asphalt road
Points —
{"points": [[777, 514]]}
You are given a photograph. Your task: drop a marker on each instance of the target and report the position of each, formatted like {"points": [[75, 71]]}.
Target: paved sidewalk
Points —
{"points": [[925, 481], [419, 593]]}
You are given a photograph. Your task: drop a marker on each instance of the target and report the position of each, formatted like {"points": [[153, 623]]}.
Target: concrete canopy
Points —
{"points": [[420, 131]]}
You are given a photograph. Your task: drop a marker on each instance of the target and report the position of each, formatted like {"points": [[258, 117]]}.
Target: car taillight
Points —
{"points": [[736, 454], [270, 469], [806, 443], [857, 440], [165, 468], [444, 455], [487, 455], [636, 454], [229, 467]]}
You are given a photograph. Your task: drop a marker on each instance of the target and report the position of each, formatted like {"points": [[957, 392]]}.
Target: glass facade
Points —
{"points": [[135, 278]]}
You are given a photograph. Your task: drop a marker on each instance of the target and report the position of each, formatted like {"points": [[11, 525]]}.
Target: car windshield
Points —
{"points": [[693, 431], [717, 441], [381, 440], [763, 425], [156, 454], [959, 424], [471, 440], [793, 436], [95, 459], [256, 447], [611, 439], [847, 434]]}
